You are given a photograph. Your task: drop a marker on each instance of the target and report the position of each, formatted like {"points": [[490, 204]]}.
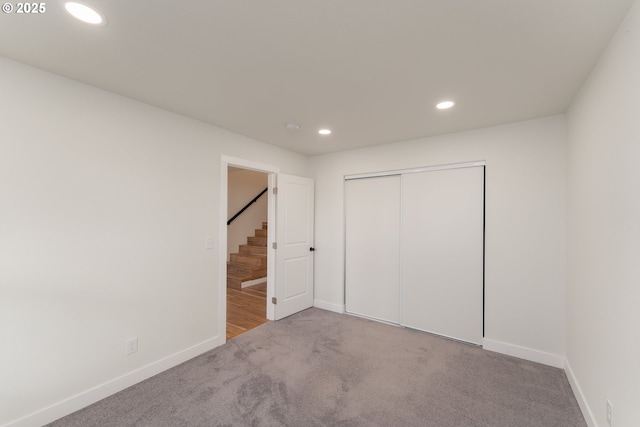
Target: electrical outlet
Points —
{"points": [[609, 413], [131, 345]]}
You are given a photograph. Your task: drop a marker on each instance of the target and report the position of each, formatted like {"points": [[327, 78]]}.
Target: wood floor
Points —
{"points": [[246, 309]]}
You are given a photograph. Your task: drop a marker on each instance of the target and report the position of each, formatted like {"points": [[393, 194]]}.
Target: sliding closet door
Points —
{"points": [[372, 208], [442, 252]]}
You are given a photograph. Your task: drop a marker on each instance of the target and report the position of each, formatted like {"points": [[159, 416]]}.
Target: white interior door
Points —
{"points": [[372, 218], [294, 238], [442, 252]]}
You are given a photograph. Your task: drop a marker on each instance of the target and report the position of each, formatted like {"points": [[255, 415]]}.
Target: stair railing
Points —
{"points": [[255, 199]]}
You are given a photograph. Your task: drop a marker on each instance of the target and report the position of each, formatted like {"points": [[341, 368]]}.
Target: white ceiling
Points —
{"points": [[371, 70]]}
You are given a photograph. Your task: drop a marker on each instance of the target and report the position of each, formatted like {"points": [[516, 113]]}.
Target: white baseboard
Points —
{"points": [[524, 353], [329, 306], [253, 282], [577, 392], [99, 392]]}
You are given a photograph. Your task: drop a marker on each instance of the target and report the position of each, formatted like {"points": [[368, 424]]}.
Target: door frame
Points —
{"points": [[271, 171]]}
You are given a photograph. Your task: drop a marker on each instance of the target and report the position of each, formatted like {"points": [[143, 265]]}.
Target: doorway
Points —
{"points": [[247, 234], [254, 297], [289, 285]]}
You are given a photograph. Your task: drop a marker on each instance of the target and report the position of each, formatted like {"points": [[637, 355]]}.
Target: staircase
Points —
{"points": [[251, 262]]}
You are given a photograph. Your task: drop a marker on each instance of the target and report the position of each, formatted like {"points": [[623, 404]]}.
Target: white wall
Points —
{"points": [[525, 229], [243, 186], [104, 208], [603, 221]]}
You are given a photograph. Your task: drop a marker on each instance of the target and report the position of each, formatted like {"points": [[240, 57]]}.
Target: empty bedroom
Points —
{"points": [[323, 213]]}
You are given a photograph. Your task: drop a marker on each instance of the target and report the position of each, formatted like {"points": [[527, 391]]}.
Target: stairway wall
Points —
{"points": [[243, 186]]}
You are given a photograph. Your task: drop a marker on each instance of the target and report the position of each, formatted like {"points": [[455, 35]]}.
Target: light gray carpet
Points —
{"points": [[318, 368]]}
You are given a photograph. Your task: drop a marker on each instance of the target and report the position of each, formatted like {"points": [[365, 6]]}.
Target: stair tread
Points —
{"points": [[245, 277], [248, 271], [249, 255], [249, 266], [245, 249], [256, 241], [249, 259], [245, 265]]}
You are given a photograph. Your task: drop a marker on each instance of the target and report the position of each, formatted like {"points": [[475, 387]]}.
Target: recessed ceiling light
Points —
{"points": [[324, 131], [85, 13], [444, 105]]}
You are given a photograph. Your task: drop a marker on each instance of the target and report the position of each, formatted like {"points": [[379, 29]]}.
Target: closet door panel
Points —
{"points": [[372, 209], [442, 252]]}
